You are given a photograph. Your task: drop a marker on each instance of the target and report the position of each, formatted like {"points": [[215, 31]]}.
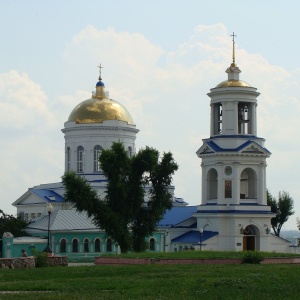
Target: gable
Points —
{"points": [[205, 149], [29, 198], [254, 148]]}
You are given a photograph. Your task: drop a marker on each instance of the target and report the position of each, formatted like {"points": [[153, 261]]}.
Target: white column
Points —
{"points": [[236, 183], [261, 185], [254, 120], [204, 184], [235, 116], [221, 190], [212, 117]]}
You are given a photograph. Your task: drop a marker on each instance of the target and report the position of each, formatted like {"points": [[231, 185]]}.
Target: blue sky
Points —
{"points": [[160, 59]]}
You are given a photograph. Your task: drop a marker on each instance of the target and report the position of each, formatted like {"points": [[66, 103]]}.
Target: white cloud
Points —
{"points": [[22, 101]]}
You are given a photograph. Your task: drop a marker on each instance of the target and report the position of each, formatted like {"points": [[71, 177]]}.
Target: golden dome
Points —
{"points": [[97, 110], [233, 83]]}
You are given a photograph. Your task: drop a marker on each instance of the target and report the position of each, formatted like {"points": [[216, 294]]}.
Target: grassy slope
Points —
{"points": [[154, 282]]}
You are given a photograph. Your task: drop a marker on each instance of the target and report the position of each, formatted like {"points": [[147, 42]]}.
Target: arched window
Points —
{"points": [[68, 154], [97, 245], [152, 244], [212, 184], [129, 151], [108, 245], [97, 151], [248, 184], [80, 158], [75, 245], [63, 245], [86, 245]]}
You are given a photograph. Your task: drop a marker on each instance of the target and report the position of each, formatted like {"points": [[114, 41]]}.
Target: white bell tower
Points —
{"points": [[234, 167]]}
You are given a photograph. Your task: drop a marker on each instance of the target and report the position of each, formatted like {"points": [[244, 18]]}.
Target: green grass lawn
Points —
{"points": [[153, 282]]}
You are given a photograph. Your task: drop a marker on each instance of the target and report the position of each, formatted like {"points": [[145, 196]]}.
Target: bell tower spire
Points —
{"points": [[233, 50]]}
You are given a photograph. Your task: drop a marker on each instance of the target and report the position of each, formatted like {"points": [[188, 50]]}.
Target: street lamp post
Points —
{"points": [[201, 233], [49, 210]]}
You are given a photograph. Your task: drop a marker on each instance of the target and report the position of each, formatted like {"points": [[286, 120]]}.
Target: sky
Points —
{"points": [[160, 60]]}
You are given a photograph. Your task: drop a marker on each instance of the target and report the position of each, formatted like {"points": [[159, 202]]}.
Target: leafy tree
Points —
{"points": [[282, 207], [9, 223], [122, 213]]}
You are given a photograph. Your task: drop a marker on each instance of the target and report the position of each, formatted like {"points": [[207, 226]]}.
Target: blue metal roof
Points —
{"points": [[100, 83], [176, 215], [194, 237], [48, 195]]}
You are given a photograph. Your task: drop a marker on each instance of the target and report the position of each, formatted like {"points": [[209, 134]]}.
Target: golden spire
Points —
{"points": [[233, 50], [100, 67]]}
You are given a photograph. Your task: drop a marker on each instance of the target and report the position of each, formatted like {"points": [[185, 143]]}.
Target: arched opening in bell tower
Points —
{"points": [[217, 118], [212, 184], [245, 118], [248, 184]]}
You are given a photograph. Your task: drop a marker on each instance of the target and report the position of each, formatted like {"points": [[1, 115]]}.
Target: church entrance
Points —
{"points": [[248, 243], [249, 238]]}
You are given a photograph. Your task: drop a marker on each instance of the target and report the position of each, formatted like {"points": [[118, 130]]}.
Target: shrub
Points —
{"points": [[252, 257], [41, 258]]}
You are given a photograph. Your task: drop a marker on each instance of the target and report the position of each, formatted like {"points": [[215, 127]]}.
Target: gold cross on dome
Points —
{"points": [[100, 67]]}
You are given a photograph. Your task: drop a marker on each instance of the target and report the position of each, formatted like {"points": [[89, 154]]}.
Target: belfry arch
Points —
{"points": [[248, 184], [212, 184]]}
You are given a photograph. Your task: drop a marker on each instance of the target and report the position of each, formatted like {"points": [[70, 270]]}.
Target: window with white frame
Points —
{"points": [[75, 245], [129, 151], [97, 151], [152, 244], [97, 245], [68, 154], [63, 245], [86, 243], [80, 159]]}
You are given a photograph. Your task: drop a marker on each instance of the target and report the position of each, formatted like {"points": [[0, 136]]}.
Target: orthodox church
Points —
{"points": [[233, 214]]}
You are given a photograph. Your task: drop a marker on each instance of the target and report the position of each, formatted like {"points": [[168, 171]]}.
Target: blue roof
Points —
{"points": [[176, 215], [100, 83], [194, 236], [48, 195], [217, 148]]}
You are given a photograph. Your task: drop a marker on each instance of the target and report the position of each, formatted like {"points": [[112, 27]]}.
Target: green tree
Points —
{"points": [[122, 213], [282, 207], [9, 223]]}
